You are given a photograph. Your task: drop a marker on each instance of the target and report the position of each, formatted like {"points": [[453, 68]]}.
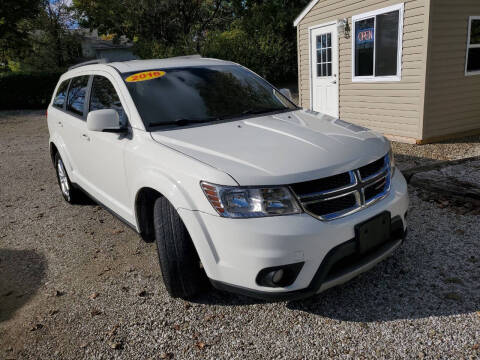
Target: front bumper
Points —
{"points": [[234, 251]]}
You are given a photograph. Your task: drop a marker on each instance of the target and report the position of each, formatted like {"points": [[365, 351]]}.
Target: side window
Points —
{"points": [[472, 66], [61, 95], [76, 95], [104, 96]]}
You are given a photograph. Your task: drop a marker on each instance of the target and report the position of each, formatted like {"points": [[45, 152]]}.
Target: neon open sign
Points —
{"points": [[365, 36]]}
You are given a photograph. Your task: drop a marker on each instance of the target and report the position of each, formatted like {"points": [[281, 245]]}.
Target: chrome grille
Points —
{"points": [[340, 195]]}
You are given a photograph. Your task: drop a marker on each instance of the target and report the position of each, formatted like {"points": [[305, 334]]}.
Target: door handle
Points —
{"points": [[60, 124], [86, 137], [334, 81]]}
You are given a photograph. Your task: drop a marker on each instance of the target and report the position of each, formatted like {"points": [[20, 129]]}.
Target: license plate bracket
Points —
{"points": [[373, 232]]}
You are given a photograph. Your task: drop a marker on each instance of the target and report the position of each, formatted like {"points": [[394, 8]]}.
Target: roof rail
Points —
{"points": [[96, 61], [194, 56]]}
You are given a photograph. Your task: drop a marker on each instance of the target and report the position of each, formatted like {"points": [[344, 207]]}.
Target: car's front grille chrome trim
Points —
{"points": [[352, 184], [367, 191]]}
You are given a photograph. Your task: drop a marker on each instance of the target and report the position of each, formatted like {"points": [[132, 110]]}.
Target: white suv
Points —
{"points": [[235, 183]]}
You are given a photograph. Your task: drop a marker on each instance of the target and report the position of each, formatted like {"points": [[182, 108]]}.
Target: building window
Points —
{"points": [[324, 55], [472, 66], [377, 45]]}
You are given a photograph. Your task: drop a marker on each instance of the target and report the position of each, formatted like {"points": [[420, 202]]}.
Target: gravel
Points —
{"points": [[77, 283], [408, 155]]}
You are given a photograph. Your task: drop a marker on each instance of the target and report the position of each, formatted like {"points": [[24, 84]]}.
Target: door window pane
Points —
{"points": [[104, 96], [324, 55], [61, 95], [76, 95], [386, 44], [364, 46]]}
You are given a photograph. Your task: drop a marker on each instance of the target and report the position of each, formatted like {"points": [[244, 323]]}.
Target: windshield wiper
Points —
{"points": [[183, 122], [263, 111]]}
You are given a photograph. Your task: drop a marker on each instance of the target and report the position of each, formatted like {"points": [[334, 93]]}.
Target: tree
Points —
{"points": [[159, 27], [261, 37], [52, 42], [13, 14], [255, 33]]}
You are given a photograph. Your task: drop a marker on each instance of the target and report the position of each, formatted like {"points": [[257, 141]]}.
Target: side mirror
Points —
{"points": [[287, 93], [106, 120]]}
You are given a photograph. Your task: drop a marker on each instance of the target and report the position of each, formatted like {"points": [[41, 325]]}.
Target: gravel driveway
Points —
{"points": [[75, 282]]}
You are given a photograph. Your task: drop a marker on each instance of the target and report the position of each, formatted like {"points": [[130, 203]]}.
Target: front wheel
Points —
{"points": [[179, 261]]}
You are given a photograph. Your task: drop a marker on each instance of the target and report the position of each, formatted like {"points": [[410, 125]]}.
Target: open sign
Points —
{"points": [[364, 36]]}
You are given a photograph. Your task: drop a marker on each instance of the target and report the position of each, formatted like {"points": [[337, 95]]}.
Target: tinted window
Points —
{"points": [[473, 59], [475, 32], [104, 96], [473, 48], [61, 95], [76, 95], [364, 41], [386, 44], [201, 93]]}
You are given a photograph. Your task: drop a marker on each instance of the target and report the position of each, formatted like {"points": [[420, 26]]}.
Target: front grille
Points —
{"points": [[376, 189], [339, 195], [333, 206], [322, 185], [372, 168]]}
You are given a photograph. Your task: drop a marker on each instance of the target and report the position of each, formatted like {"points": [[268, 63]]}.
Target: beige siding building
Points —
{"points": [[410, 70]]}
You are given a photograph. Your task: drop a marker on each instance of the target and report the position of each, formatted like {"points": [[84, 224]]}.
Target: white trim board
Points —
{"points": [[305, 12]]}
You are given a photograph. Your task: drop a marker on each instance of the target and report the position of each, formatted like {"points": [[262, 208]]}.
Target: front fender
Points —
{"points": [[183, 202], [165, 185]]}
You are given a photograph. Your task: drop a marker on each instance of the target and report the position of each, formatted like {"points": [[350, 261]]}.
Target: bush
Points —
{"points": [[26, 90]]}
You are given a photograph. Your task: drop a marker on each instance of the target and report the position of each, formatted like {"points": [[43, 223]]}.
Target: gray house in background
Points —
{"points": [[94, 47]]}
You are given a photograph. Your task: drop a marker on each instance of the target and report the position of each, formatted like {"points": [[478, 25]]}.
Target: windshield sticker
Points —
{"points": [[147, 75]]}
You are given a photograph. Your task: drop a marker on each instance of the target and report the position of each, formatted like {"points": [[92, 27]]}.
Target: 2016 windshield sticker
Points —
{"points": [[143, 76]]}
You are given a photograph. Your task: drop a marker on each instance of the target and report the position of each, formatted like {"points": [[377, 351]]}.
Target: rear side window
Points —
{"points": [[104, 96], [61, 95], [76, 95]]}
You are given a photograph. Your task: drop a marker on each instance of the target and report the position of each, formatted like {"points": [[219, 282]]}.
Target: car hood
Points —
{"points": [[278, 149]]}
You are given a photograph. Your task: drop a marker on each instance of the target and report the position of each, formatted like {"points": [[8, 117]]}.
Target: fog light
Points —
{"points": [[277, 276]]}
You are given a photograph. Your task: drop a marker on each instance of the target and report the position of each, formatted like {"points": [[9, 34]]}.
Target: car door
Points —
{"points": [[56, 114], [74, 126], [103, 160]]}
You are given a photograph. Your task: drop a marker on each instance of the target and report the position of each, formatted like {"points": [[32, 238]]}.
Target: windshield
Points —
{"points": [[178, 96]]}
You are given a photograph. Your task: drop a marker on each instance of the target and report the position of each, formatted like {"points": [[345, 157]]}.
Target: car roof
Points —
{"points": [[186, 61]]}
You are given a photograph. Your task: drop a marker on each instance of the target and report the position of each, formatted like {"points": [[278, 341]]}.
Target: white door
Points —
{"points": [[324, 62], [103, 156]]}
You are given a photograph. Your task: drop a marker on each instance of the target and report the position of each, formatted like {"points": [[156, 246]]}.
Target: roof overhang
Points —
{"points": [[304, 12]]}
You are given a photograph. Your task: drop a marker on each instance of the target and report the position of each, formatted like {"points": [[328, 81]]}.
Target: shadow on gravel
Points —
{"points": [[217, 297], [21, 273]]}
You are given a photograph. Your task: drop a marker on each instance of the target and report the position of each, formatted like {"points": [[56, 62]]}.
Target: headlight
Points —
{"points": [[392, 160], [245, 202]]}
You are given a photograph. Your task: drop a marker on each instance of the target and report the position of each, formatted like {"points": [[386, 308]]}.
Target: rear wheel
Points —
{"points": [[181, 268], [69, 192]]}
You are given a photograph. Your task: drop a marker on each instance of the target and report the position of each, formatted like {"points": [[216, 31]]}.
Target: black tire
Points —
{"points": [[73, 195], [179, 261]]}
